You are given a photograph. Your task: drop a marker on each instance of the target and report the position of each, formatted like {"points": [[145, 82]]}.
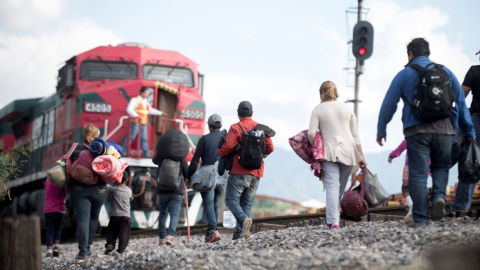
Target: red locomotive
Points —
{"points": [[95, 87]]}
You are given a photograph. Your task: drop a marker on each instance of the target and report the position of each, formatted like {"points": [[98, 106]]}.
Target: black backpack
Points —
{"points": [[434, 98], [251, 155]]}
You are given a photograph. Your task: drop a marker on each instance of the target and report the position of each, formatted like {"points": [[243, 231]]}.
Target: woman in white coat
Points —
{"points": [[337, 123]]}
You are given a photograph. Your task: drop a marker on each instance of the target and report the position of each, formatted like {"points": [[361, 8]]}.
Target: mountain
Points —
{"points": [[288, 177]]}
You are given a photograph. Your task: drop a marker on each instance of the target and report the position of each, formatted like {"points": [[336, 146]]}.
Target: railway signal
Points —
{"points": [[362, 41]]}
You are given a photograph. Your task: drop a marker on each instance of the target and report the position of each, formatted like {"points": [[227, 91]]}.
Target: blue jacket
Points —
{"points": [[404, 84]]}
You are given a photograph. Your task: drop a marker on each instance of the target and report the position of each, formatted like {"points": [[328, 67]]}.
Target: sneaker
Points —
{"points": [[327, 226], [217, 235], [335, 226], [169, 240], [56, 251], [409, 217], [78, 257], [49, 255], [438, 212], [162, 242], [108, 248], [246, 228], [210, 237]]}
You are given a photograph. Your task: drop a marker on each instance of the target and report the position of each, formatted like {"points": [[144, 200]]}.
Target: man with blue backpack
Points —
{"points": [[247, 167], [434, 107]]}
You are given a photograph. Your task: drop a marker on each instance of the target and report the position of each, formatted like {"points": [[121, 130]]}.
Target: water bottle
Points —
{"points": [[229, 220]]}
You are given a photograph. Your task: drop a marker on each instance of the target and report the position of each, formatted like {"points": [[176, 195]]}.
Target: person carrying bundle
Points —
{"points": [[208, 152], [247, 167], [172, 148]]}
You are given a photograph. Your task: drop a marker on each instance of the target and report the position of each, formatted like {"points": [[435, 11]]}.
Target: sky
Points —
{"points": [[275, 54]]}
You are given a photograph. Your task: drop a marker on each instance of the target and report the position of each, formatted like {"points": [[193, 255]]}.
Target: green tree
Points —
{"points": [[11, 163]]}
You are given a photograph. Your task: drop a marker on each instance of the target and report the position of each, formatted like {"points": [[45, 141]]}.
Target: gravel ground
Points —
{"points": [[372, 245]]}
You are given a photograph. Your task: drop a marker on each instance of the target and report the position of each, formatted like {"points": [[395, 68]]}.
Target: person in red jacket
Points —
{"points": [[242, 183]]}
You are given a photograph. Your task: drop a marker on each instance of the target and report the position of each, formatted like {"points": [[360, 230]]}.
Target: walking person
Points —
{"points": [[119, 226], [54, 209], [471, 83], [207, 150], [406, 194], [87, 199], [170, 200], [242, 183], [431, 137], [140, 108], [337, 123]]}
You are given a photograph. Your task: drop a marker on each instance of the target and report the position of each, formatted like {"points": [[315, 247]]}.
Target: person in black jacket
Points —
{"points": [[207, 150], [174, 146]]}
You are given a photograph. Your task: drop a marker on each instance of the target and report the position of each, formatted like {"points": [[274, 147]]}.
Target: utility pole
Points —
{"points": [[358, 66]]}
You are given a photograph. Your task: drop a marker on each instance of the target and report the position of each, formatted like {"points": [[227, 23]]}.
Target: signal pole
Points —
{"points": [[358, 67]]}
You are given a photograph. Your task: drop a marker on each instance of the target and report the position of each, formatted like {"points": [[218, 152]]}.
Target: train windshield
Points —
{"points": [[98, 70], [168, 74]]}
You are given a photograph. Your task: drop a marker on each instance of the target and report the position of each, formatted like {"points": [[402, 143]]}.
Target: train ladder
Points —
{"points": [[188, 222]]}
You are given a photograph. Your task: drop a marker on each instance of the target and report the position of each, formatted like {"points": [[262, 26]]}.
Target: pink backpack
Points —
{"points": [[82, 170]]}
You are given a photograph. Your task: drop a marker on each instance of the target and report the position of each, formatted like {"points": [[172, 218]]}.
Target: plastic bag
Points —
{"points": [[469, 164], [205, 178], [375, 194]]}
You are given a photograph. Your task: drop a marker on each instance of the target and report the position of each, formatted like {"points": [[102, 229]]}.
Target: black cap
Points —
{"points": [[245, 109], [477, 52]]}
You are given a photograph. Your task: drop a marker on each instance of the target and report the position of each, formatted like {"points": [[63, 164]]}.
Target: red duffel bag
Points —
{"points": [[354, 206]]}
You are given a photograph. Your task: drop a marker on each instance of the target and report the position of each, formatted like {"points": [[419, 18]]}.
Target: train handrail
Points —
{"points": [[106, 136]]}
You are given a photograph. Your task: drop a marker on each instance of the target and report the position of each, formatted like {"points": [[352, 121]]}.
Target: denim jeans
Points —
{"points": [[464, 192], [53, 224], [143, 135], [211, 202], [169, 204], [241, 189], [208, 198], [87, 201], [420, 148]]}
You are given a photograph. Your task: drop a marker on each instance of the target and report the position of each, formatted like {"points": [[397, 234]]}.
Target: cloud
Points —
{"points": [[29, 13], [29, 63]]}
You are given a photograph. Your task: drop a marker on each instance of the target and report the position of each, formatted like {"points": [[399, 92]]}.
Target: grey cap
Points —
{"points": [[214, 119], [245, 109]]}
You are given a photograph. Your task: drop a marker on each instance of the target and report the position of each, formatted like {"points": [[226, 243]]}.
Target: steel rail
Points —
{"points": [[388, 213]]}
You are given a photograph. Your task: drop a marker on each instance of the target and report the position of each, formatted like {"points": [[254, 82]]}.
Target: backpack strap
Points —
{"points": [[70, 152], [243, 132], [417, 67]]}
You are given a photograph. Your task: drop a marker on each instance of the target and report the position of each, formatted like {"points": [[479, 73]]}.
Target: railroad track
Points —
{"points": [[388, 213]]}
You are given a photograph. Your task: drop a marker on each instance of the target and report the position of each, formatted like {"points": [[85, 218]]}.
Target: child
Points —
{"points": [[119, 197], [54, 209], [406, 194]]}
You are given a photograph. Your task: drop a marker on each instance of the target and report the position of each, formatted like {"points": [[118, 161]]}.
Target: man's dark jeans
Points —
{"points": [[118, 227], [421, 148], [87, 201], [464, 192], [241, 189], [53, 224], [169, 204]]}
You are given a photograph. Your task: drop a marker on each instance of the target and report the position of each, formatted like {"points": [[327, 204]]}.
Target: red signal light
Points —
{"points": [[362, 51]]}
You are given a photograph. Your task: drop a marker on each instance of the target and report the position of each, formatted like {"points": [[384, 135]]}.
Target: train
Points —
{"points": [[95, 87]]}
